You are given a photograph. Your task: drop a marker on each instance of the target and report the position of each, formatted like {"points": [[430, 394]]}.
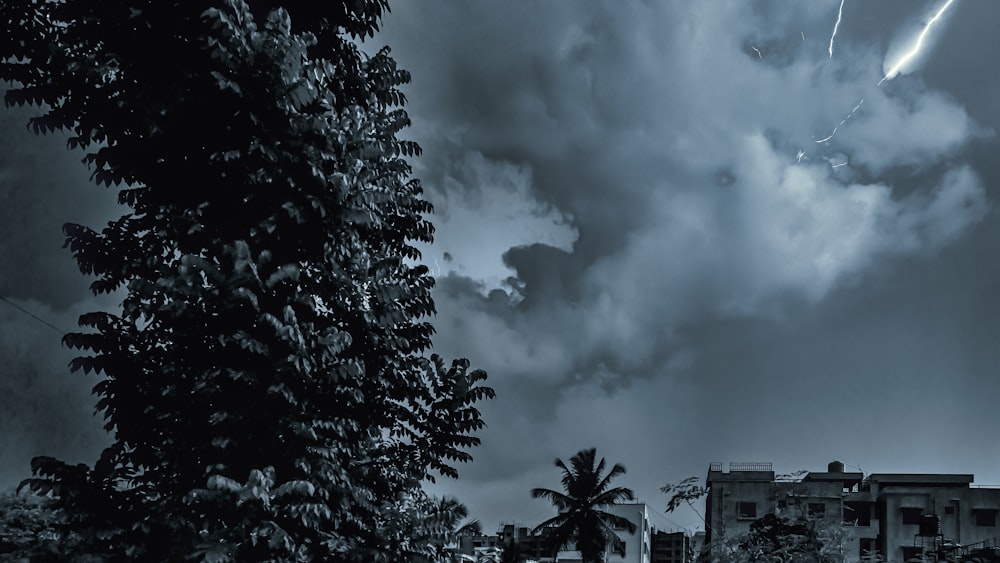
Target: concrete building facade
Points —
{"points": [[901, 517], [534, 545], [671, 547], [637, 544]]}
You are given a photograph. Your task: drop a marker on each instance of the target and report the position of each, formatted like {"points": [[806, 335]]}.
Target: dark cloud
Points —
{"points": [[42, 186], [726, 296]]}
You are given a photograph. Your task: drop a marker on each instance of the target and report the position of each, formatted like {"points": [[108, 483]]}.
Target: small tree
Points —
{"points": [[266, 382], [581, 520], [28, 527]]}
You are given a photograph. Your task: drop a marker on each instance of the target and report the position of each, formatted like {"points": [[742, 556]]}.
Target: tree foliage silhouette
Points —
{"points": [[265, 382], [581, 520]]}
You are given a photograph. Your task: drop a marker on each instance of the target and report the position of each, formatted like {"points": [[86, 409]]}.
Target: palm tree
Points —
{"points": [[470, 528], [580, 519]]}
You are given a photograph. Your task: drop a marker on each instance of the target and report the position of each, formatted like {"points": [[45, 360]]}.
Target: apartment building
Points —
{"points": [[671, 547], [637, 544], [533, 545], [900, 516]]}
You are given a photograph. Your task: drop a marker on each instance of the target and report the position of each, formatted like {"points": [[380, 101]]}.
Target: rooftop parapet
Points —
{"points": [[741, 471]]}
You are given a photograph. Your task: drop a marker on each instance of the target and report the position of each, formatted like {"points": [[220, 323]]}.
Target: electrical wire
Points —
{"points": [[32, 315]]}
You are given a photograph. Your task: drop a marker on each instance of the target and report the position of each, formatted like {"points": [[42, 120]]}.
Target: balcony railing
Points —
{"points": [[751, 466], [992, 543], [716, 466]]}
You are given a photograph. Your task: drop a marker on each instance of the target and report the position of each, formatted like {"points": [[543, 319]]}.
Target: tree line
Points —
{"points": [[583, 523]]}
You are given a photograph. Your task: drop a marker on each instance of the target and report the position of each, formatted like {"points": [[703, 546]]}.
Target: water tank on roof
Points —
{"points": [[835, 467], [930, 525]]}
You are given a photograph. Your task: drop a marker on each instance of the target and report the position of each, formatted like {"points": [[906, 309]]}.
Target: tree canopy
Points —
{"points": [[581, 520], [267, 382]]}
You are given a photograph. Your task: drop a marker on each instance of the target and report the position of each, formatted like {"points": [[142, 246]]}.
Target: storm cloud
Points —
{"points": [[718, 207]]}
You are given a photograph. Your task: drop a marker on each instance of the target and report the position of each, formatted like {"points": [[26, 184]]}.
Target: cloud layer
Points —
{"points": [[673, 171], [667, 157]]}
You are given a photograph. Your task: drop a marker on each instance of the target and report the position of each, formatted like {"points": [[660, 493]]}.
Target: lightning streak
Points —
{"points": [[842, 122], [918, 45], [840, 14], [756, 50]]}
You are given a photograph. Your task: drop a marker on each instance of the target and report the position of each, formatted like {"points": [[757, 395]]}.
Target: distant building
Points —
{"points": [[697, 541], [532, 545], [898, 516], [637, 544], [535, 546], [671, 547], [477, 545]]}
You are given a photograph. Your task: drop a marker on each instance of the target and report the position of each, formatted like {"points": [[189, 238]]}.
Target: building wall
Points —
{"points": [[473, 543], [881, 512], [534, 545], [967, 515], [670, 547], [697, 541], [734, 501], [637, 545]]}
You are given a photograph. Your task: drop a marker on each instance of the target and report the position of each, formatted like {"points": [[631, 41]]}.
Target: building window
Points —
{"points": [[911, 515], [912, 553], [986, 517], [858, 513], [746, 510], [867, 548], [816, 509], [948, 510]]}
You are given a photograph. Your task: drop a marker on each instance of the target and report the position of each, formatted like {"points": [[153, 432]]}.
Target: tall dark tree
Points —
{"points": [[266, 381], [581, 520]]}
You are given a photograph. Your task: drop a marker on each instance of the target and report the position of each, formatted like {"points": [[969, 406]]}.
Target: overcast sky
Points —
{"points": [[648, 237]]}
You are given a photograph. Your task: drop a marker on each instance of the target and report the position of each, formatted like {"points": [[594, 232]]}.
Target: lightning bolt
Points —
{"points": [[840, 14], [918, 45], [756, 50], [842, 122], [798, 157]]}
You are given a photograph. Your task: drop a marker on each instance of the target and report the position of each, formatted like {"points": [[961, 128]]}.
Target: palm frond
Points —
{"points": [[617, 470], [562, 501], [613, 496]]}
